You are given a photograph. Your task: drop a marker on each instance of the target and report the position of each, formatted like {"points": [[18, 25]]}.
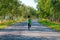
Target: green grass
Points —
{"points": [[49, 24], [2, 26], [5, 24], [10, 22]]}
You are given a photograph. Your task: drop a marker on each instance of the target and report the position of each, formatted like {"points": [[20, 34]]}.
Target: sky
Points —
{"points": [[30, 3]]}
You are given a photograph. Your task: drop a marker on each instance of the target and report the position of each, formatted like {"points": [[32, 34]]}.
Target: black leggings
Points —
{"points": [[29, 25]]}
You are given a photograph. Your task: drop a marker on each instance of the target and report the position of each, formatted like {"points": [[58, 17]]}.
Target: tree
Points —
{"points": [[8, 7], [49, 9]]}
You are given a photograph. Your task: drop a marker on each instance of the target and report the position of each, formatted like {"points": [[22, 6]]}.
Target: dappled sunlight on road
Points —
{"points": [[19, 31]]}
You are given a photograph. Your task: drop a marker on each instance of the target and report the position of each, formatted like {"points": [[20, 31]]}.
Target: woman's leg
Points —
{"points": [[29, 26]]}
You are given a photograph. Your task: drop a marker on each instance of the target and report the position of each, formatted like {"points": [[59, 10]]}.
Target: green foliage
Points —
{"points": [[49, 9], [8, 7], [14, 8]]}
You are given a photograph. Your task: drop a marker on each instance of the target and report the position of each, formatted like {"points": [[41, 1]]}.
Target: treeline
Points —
{"points": [[13, 9], [49, 9]]}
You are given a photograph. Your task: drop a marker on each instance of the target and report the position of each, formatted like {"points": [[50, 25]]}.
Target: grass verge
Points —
{"points": [[5, 24], [9, 22], [50, 24], [2, 26]]}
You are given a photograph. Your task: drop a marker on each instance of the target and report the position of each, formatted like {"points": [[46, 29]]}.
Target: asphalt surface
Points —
{"points": [[19, 31]]}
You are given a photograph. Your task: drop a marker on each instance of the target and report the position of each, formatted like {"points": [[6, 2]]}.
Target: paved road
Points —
{"points": [[19, 31]]}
